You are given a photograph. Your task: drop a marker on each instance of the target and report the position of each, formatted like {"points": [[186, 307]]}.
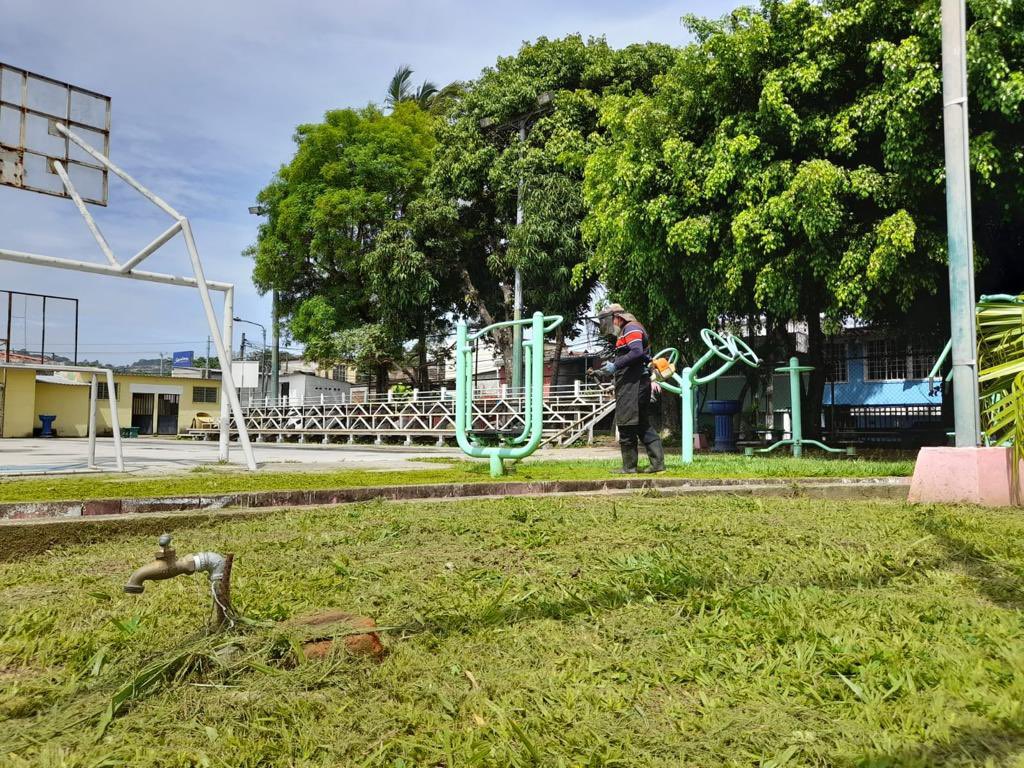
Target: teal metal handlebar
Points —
{"points": [[551, 322], [525, 443]]}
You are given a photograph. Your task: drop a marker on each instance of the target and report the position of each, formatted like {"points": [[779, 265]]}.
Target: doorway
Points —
{"points": [[142, 412], [167, 414]]}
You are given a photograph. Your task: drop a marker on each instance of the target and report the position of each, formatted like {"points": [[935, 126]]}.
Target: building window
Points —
{"points": [[340, 373], [103, 392], [204, 394], [922, 359], [898, 360], [835, 362], [886, 360]]}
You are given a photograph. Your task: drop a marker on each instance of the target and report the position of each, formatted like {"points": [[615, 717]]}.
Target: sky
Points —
{"points": [[206, 96]]}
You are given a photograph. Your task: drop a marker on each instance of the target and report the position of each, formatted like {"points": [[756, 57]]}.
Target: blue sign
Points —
{"points": [[182, 359]]}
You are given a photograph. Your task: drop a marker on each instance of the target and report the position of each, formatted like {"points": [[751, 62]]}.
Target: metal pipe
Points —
{"points": [[104, 269], [115, 422], [161, 239], [10, 305], [101, 241], [104, 160], [275, 348], [227, 380], [92, 422], [517, 289], [223, 451], [686, 405], [967, 419], [795, 408], [158, 570]]}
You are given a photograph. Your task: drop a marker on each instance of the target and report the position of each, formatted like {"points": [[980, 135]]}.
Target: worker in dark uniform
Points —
{"points": [[629, 368]]}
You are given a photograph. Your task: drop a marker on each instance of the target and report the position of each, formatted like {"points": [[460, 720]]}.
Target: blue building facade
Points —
{"points": [[877, 392]]}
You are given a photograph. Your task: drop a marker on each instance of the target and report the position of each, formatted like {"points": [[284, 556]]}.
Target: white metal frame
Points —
{"points": [[115, 423], [127, 270]]}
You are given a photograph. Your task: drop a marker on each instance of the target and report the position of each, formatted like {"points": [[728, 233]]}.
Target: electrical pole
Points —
{"points": [[522, 124], [206, 366], [517, 291], [967, 421], [161, 363], [275, 347]]}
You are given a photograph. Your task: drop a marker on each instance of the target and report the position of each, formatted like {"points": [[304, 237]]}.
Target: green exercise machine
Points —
{"points": [[729, 350], [511, 444], [797, 440]]}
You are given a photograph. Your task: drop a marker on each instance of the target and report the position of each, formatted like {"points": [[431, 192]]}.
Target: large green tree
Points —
{"points": [[338, 242], [790, 167], [484, 170]]}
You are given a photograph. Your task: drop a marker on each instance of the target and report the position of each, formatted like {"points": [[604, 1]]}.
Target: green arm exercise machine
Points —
{"points": [[727, 348], [513, 446]]}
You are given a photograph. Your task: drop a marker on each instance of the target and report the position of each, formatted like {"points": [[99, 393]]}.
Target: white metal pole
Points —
{"points": [[101, 241], [92, 422], [127, 179], [154, 246], [228, 381], [115, 422], [967, 422], [229, 342], [105, 269]]}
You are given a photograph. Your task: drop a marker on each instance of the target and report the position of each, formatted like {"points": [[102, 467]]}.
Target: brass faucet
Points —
{"points": [[167, 565]]}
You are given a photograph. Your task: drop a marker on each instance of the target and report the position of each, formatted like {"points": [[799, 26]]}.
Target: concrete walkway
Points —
{"points": [[155, 455]]}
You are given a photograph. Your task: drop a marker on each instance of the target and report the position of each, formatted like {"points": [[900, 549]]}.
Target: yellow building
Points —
{"points": [[161, 405]]}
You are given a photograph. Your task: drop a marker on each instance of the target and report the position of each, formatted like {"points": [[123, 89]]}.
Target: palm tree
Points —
{"points": [[428, 96], [400, 87], [1001, 368]]}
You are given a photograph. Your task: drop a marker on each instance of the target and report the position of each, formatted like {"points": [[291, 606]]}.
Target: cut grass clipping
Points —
{"points": [[623, 631], [216, 481]]}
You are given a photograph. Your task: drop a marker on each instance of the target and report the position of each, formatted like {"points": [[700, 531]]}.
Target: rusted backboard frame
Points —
{"points": [[12, 156]]}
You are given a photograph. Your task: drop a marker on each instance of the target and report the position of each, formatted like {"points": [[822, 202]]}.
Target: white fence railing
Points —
{"points": [[570, 411]]}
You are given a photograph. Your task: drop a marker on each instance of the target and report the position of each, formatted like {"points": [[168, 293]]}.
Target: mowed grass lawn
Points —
{"points": [[214, 480], [627, 631]]}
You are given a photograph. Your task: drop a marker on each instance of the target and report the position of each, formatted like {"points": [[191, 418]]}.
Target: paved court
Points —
{"points": [[155, 455]]}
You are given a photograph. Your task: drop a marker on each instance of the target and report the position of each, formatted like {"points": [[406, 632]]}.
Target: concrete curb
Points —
{"points": [[15, 511]]}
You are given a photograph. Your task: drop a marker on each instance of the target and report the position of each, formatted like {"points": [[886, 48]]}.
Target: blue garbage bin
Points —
{"points": [[724, 410], [47, 422]]}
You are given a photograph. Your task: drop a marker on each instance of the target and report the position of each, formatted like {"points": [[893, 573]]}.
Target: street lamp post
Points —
{"points": [[521, 123], [967, 421], [263, 354], [275, 325]]}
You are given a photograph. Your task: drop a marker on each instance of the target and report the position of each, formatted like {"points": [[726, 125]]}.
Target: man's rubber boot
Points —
{"points": [[630, 457], [656, 455]]}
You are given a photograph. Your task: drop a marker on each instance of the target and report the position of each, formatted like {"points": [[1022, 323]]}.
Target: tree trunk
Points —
{"points": [[503, 339], [557, 361], [816, 378], [423, 373]]}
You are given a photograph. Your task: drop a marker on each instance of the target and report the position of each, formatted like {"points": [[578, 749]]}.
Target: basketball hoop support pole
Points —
{"points": [[127, 270]]}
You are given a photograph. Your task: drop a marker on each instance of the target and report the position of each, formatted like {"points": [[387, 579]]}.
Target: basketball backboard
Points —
{"points": [[30, 105]]}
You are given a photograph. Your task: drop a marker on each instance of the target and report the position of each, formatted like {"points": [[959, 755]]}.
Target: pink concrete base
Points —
{"points": [[965, 475]]}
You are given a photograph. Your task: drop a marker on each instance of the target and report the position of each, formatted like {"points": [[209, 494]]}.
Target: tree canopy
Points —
{"points": [[789, 166], [337, 242], [483, 170]]}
